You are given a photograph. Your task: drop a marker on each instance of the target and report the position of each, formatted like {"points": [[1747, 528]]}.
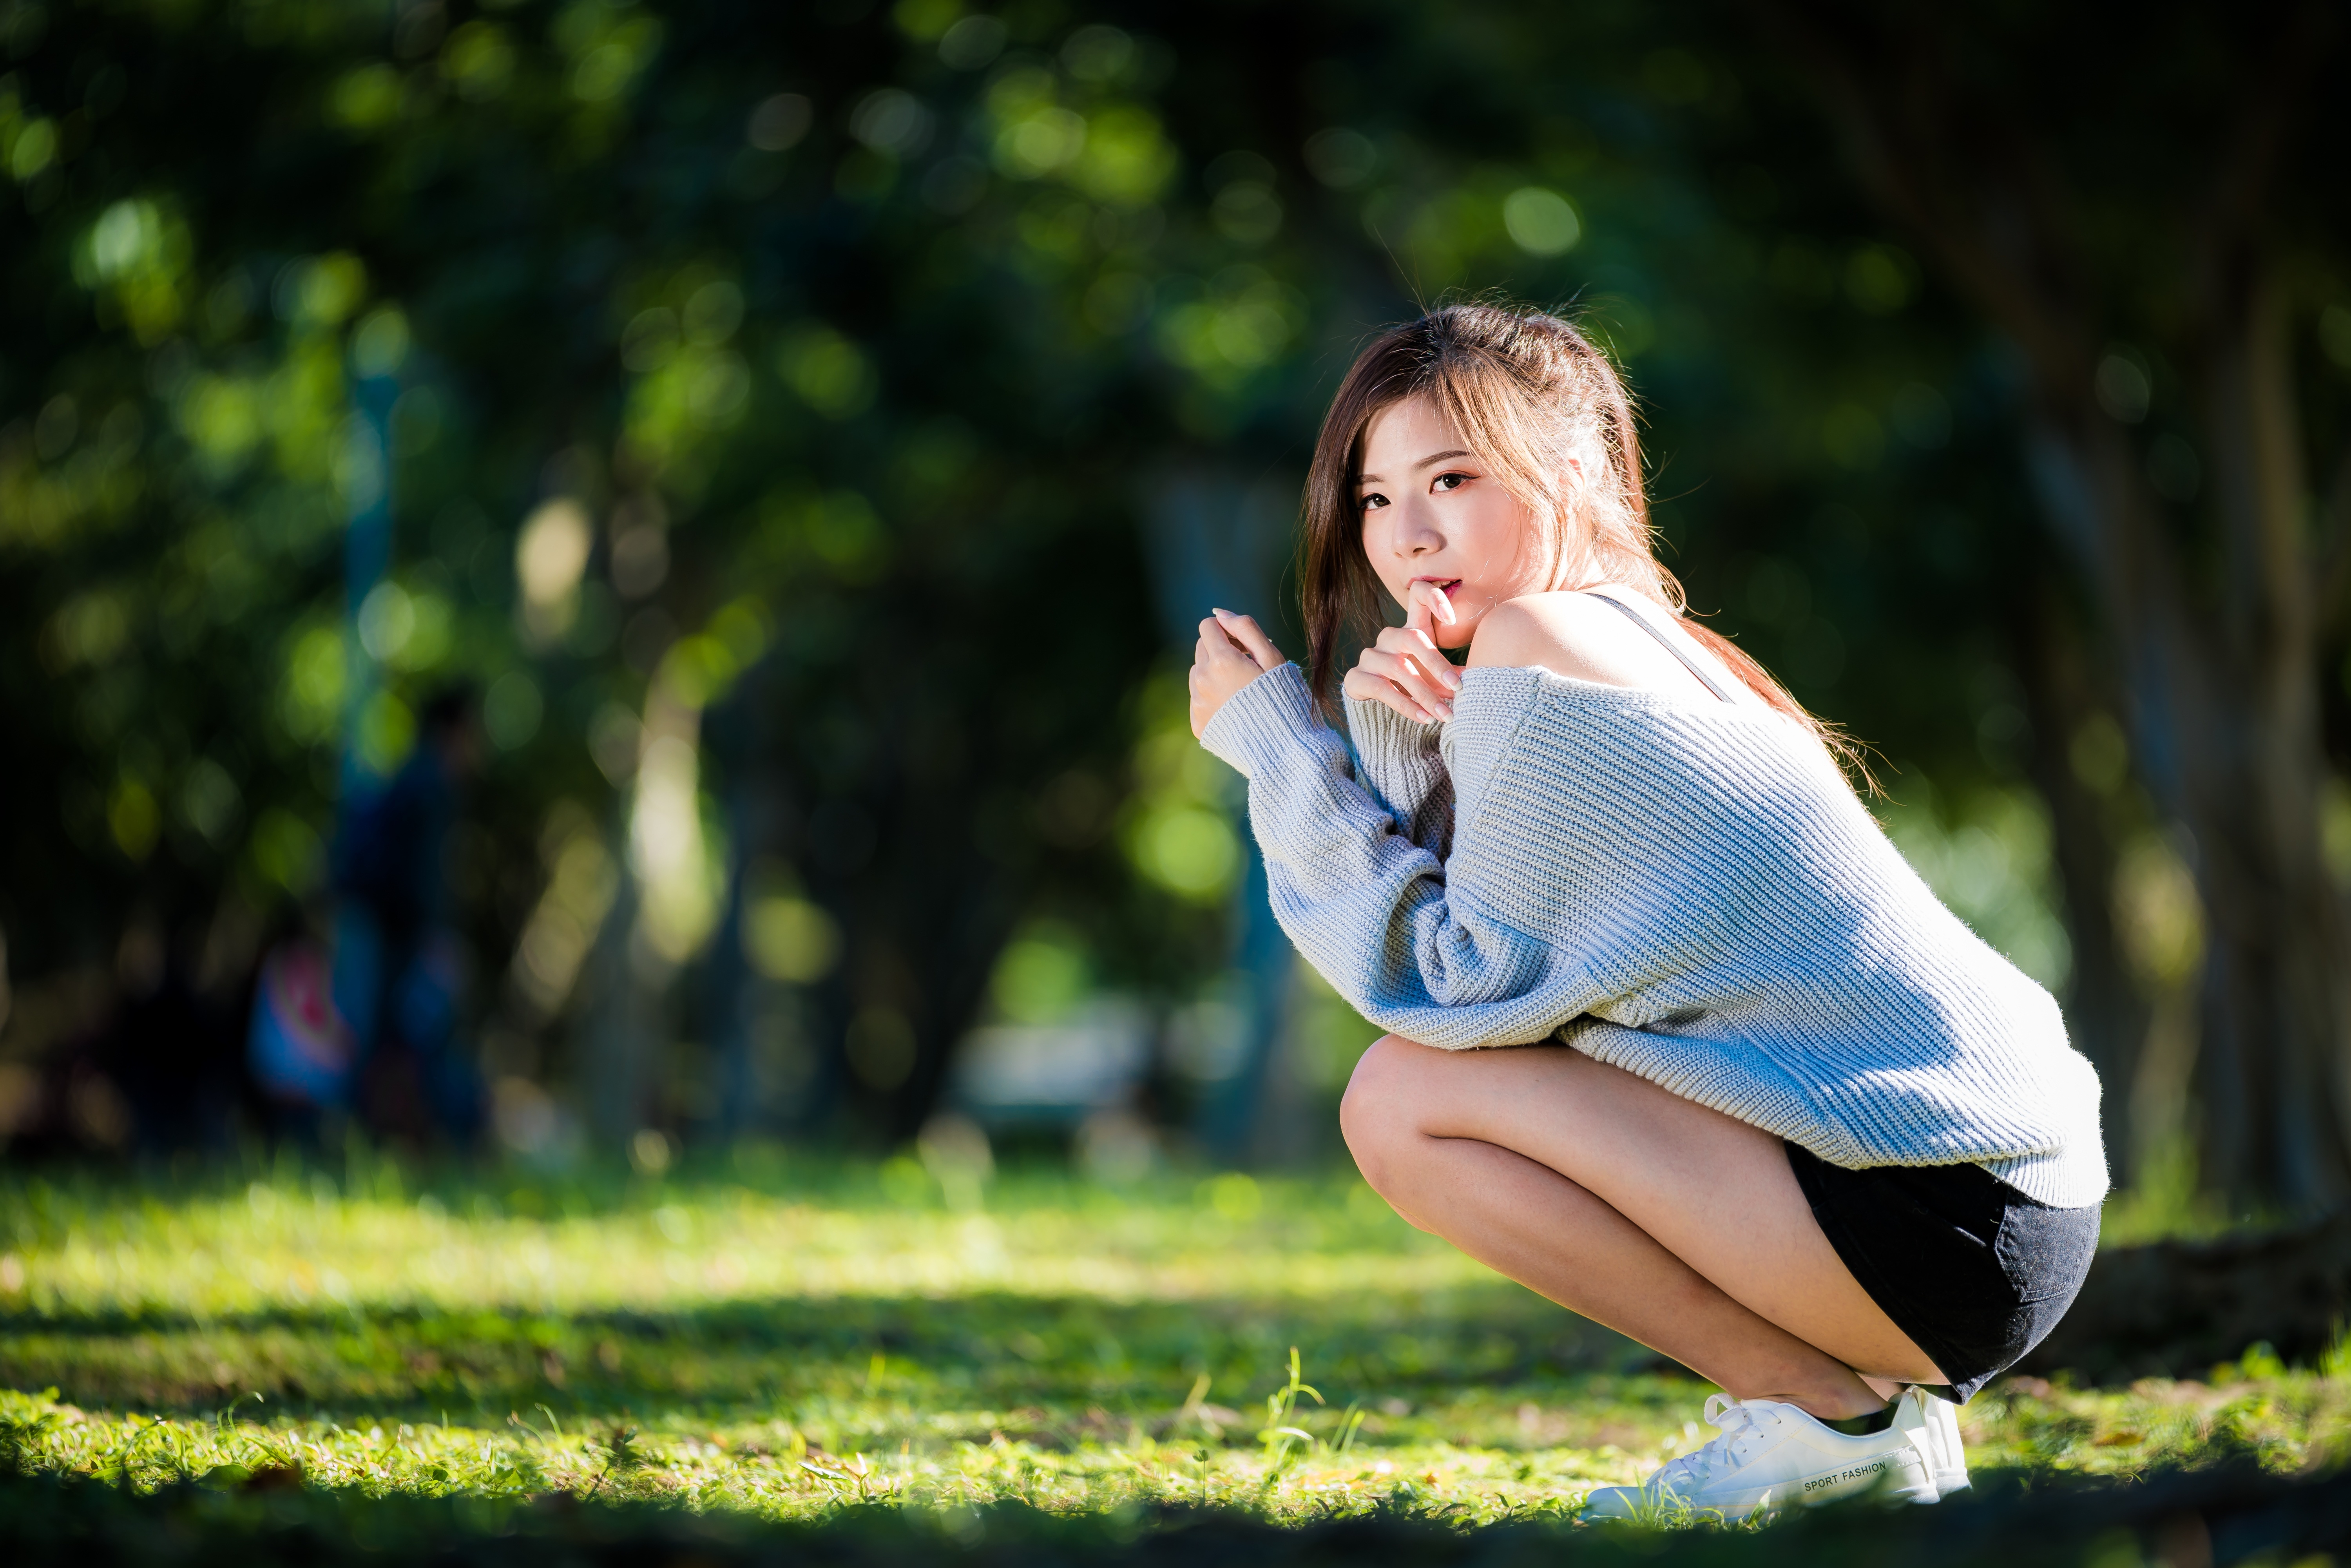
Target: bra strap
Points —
{"points": [[1667, 643]]}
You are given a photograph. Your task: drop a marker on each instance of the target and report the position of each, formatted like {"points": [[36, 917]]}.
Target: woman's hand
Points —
{"points": [[1404, 668], [1232, 653]]}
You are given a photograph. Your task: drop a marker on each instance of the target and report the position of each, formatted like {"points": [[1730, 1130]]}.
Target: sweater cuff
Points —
{"points": [[1380, 731], [1264, 720]]}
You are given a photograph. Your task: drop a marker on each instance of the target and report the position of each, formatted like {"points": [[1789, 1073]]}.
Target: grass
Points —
{"points": [[798, 1342]]}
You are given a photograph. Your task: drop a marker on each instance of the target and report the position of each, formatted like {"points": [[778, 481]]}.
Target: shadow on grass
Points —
{"points": [[2215, 1517], [600, 1188]]}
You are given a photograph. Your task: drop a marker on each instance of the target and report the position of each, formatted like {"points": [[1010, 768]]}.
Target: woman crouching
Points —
{"points": [[1773, 1111]]}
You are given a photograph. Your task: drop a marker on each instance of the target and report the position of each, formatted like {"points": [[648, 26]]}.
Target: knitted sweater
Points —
{"points": [[1691, 894]]}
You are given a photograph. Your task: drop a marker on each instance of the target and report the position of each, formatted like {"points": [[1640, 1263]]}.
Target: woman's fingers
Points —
{"points": [[1419, 646], [1218, 645], [1413, 675], [1421, 649], [1244, 630], [1220, 667], [1367, 687], [1431, 697], [1427, 607], [1409, 659]]}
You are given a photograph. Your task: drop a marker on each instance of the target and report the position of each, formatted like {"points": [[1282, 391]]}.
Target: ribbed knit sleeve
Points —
{"points": [[1367, 906], [1404, 768]]}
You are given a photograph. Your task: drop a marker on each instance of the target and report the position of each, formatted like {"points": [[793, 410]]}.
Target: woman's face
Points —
{"points": [[1433, 513]]}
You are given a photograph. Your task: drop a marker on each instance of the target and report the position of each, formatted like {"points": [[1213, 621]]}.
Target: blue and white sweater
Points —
{"points": [[1692, 894]]}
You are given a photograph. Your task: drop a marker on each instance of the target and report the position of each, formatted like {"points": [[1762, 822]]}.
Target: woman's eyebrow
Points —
{"points": [[1432, 457]]}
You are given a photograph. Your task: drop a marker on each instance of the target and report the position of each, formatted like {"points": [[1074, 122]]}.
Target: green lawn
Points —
{"points": [[789, 1340]]}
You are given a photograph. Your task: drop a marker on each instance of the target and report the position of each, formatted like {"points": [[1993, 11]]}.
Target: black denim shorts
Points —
{"points": [[1974, 1271]]}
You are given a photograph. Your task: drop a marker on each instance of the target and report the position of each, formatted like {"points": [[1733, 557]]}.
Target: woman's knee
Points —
{"points": [[1377, 1114]]}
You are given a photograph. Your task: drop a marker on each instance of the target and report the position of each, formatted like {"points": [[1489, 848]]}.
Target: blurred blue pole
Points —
{"points": [[1262, 964], [366, 470], [1217, 540], [367, 556]]}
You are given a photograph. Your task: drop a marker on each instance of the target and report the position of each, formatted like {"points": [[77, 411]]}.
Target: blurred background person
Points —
{"points": [[298, 1049], [399, 963]]}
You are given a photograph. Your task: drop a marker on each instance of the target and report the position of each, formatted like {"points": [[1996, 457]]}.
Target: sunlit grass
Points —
{"points": [[789, 1339]]}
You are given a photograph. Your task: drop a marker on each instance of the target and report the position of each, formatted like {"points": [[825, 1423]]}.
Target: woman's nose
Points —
{"points": [[1412, 536]]}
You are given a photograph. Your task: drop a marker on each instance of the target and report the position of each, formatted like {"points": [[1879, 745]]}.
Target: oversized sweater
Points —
{"points": [[1692, 894]]}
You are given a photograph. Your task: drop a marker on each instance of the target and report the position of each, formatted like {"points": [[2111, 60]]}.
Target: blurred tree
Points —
{"points": [[2163, 254], [630, 281], [784, 400]]}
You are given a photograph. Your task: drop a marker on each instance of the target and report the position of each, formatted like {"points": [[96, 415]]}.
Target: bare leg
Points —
{"points": [[1668, 1222]]}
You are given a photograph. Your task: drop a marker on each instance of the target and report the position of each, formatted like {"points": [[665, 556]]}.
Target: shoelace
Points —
{"points": [[1738, 1424]]}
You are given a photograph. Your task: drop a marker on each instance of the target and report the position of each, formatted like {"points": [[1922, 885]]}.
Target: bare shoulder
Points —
{"points": [[1565, 633], [1576, 635]]}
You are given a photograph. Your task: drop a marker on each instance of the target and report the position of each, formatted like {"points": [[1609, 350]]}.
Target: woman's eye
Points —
{"points": [[1375, 501], [1451, 481]]}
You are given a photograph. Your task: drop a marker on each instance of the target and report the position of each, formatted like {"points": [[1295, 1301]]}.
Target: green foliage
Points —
{"points": [[1281, 1437], [1991, 868]]}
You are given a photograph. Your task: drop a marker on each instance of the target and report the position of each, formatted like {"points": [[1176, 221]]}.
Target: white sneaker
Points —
{"points": [[1769, 1453], [1933, 1423]]}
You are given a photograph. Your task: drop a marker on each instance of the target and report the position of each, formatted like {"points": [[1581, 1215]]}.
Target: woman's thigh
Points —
{"points": [[1715, 1192]]}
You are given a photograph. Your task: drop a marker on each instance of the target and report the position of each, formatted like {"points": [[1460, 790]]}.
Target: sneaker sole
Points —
{"points": [[1918, 1490]]}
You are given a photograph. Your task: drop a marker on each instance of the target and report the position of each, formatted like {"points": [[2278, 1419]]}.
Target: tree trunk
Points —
{"points": [[2224, 715], [2271, 1068], [2105, 1010]]}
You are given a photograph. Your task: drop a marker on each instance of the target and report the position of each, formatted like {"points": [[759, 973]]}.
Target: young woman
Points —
{"points": [[1773, 1109]]}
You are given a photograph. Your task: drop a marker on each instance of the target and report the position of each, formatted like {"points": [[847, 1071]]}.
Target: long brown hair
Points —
{"points": [[1528, 392]]}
